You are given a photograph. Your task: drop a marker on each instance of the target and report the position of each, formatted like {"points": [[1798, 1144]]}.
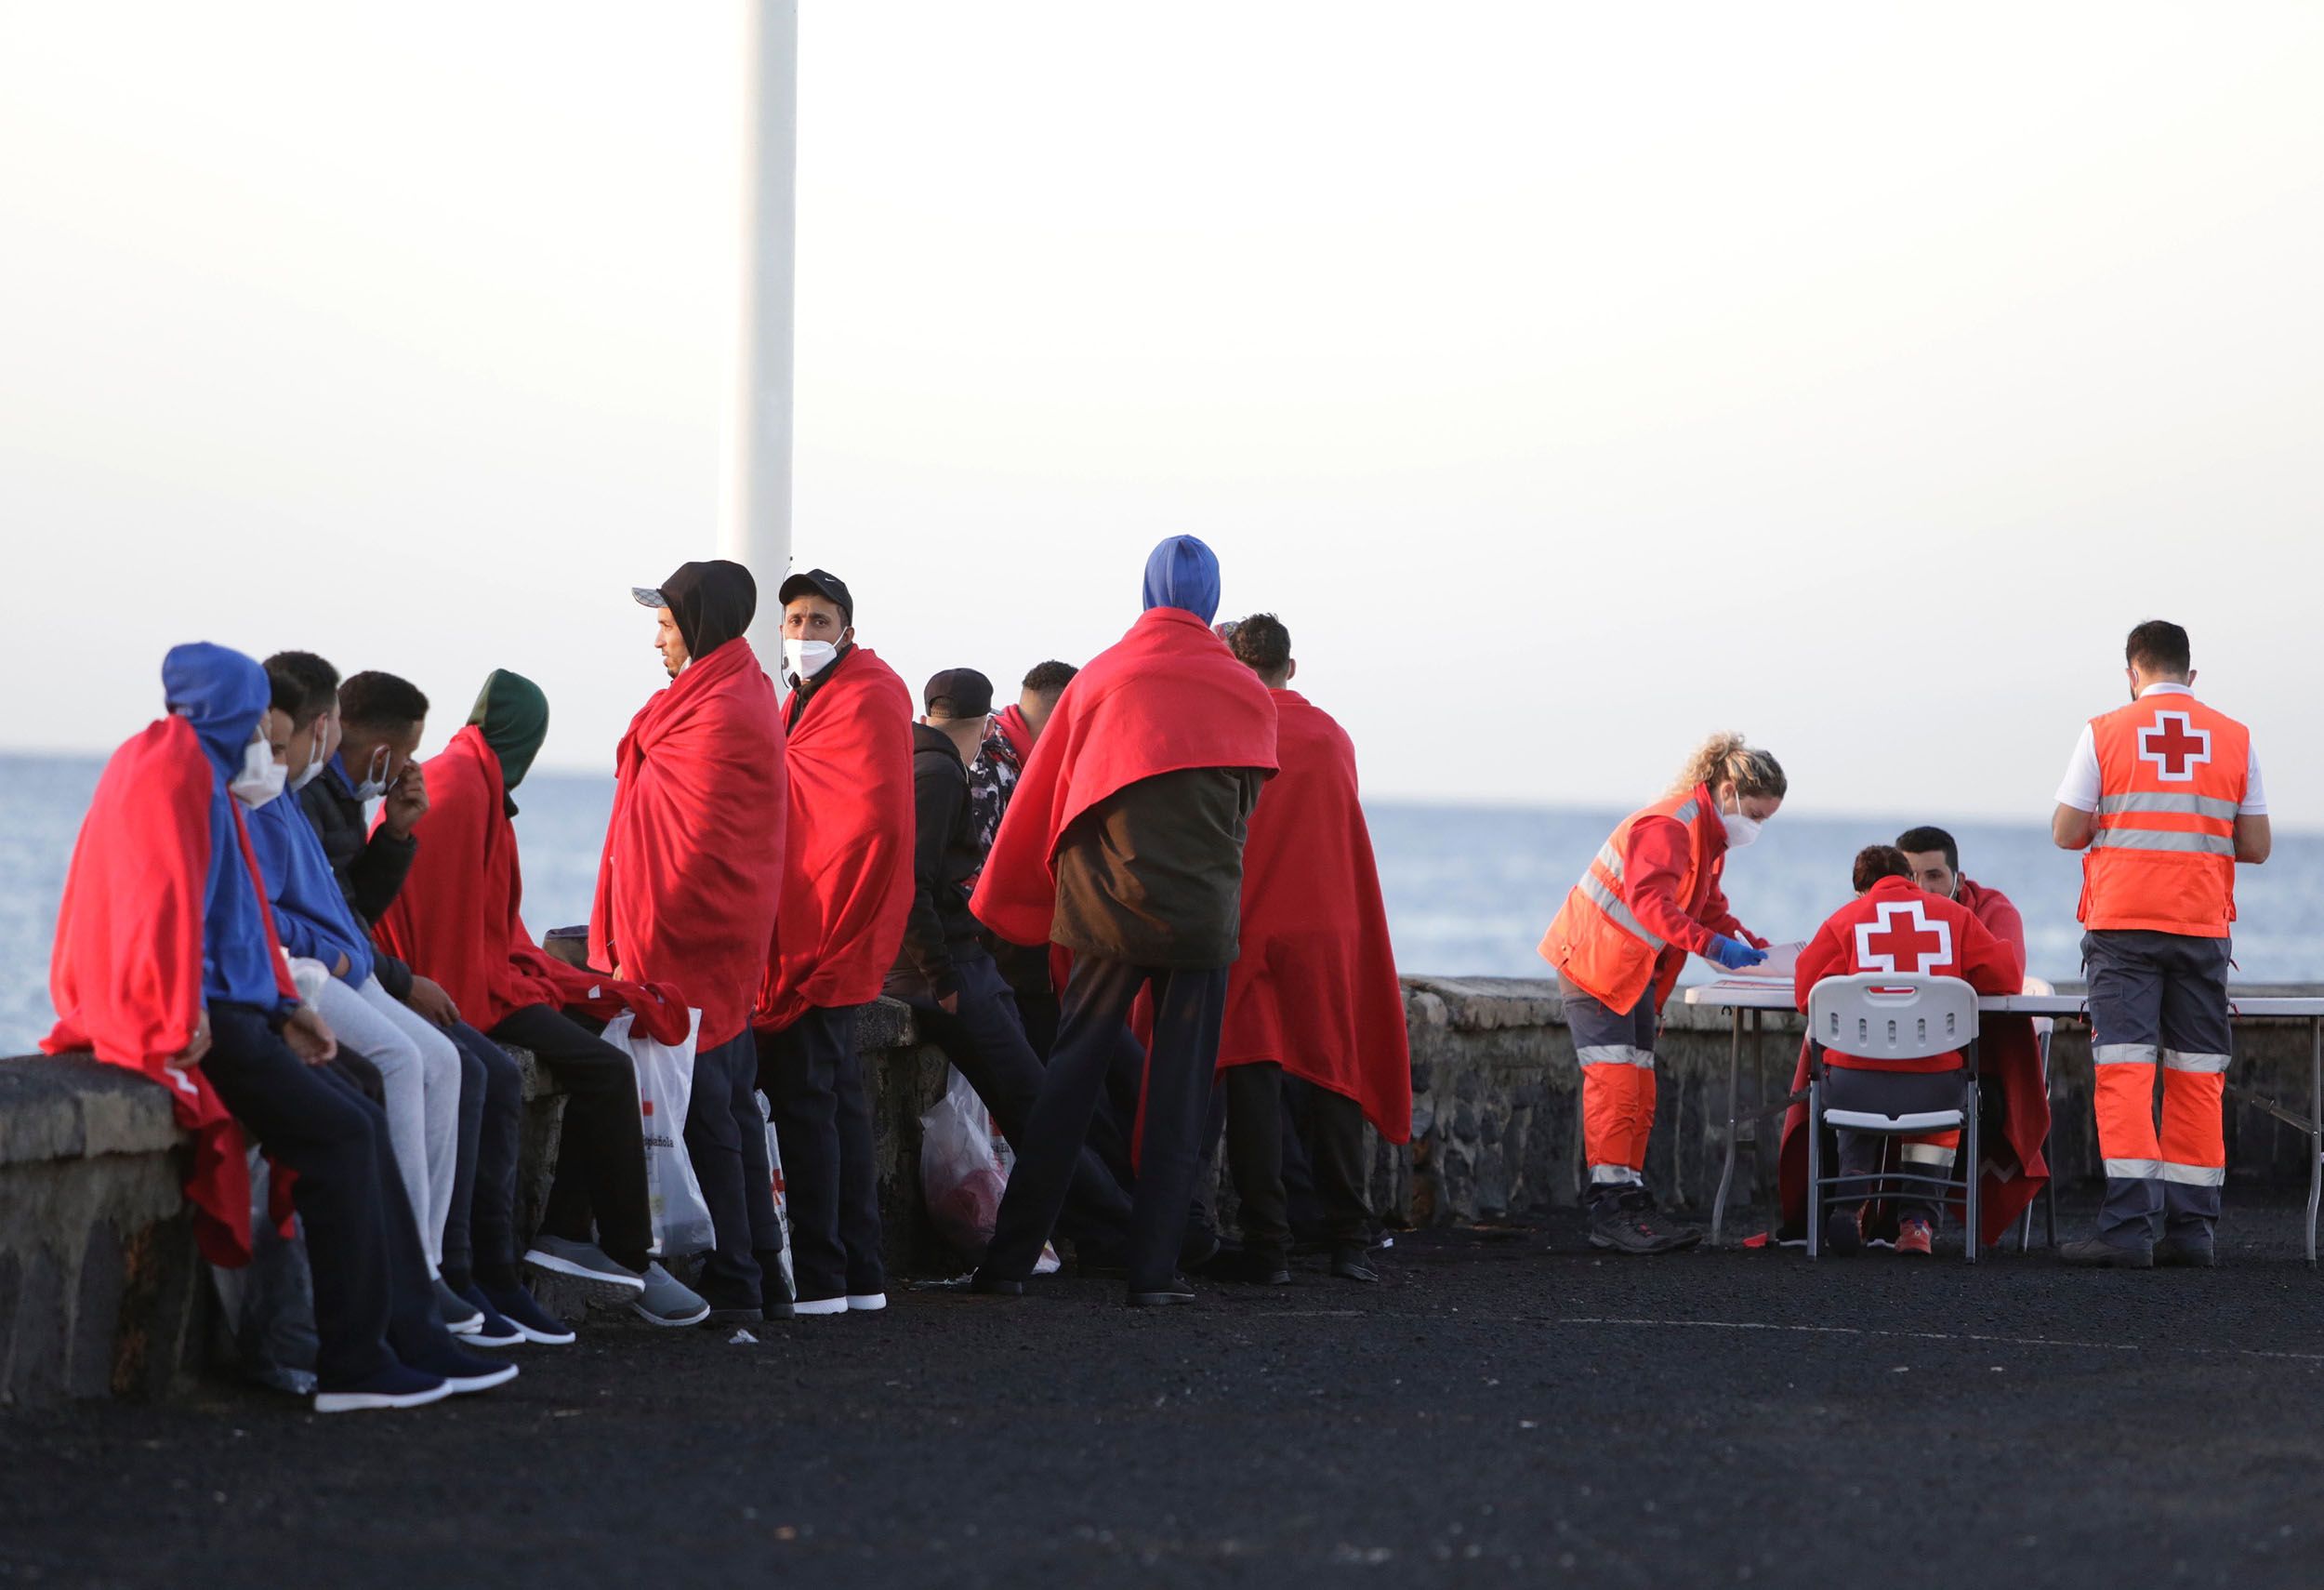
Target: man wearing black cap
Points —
{"points": [[687, 893], [847, 886], [948, 976]]}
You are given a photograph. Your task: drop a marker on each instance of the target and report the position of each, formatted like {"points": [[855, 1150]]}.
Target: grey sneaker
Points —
{"points": [[668, 1301], [596, 1276]]}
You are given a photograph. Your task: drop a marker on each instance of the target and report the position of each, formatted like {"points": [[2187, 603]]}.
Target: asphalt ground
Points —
{"points": [[1506, 1407]]}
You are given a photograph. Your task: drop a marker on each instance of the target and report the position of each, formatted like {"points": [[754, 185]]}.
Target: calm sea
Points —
{"points": [[1469, 889]]}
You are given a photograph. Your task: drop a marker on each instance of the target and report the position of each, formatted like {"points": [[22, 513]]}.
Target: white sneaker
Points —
{"points": [[866, 1301], [820, 1305]]}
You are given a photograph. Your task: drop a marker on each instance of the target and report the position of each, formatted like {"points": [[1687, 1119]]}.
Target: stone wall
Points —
{"points": [[100, 1288]]}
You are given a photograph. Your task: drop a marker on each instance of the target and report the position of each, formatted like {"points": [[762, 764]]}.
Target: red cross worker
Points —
{"points": [[1649, 899], [1895, 926], [2163, 797]]}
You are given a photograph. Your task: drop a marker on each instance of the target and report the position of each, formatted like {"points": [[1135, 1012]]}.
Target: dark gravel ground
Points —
{"points": [[1504, 1409]]}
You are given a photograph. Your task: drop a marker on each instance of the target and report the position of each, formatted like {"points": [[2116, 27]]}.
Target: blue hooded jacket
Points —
{"points": [[222, 695], [1184, 573], [312, 916]]}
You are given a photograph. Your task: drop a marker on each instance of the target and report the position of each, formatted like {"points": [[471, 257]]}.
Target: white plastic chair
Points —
{"points": [[1890, 1015]]}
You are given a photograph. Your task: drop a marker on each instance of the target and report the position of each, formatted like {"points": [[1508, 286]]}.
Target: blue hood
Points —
{"points": [[221, 693], [1184, 573]]}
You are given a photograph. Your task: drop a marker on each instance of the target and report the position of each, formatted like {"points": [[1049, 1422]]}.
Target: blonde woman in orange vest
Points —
{"points": [[1651, 898], [2164, 798]]}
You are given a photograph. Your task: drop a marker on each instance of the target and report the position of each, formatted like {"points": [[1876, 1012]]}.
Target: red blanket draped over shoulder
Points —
{"points": [[126, 971], [846, 873], [2008, 1057], [1316, 988], [457, 918], [1166, 696], [693, 865]]}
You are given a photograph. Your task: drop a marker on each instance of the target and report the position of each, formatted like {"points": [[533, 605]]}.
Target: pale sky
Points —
{"points": [[1572, 379]]}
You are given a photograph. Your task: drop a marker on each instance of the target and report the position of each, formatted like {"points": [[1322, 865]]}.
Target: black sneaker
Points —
{"points": [[2097, 1254], [1632, 1225], [1843, 1229], [1348, 1263], [1179, 1290]]}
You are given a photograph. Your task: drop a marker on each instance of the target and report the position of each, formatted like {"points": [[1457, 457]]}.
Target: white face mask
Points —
{"points": [[1741, 830], [804, 659], [261, 777], [375, 782], [314, 762]]}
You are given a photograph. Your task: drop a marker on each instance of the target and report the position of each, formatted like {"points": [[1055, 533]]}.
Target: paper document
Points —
{"points": [[1776, 970]]}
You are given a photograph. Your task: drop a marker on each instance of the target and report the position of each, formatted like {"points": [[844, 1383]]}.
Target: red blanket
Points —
{"points": [[1316, 988], [1166, 696], [2014, 1172], [847, 870], [693, 865], [126, 971], [457, 918]]}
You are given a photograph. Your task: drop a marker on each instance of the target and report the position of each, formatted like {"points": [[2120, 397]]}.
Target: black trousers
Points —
{"points": [[984, 1039], [1188, 1008], [823, 1123], [375, 1300], [1266, 1124], [480, 1240], [726, 1140], [601, 1152]]}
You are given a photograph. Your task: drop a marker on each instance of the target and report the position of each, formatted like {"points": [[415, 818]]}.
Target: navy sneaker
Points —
{"points": [[464, 1372], [522, 1310], [495, 1331], [394, 1387], [461, 1317]]}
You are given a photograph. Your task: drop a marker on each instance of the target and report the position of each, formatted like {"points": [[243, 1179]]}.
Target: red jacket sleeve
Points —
{"points": [[1990, 966], [1720, 918], [1654, 861], [1824, 956], [1999, 918]]}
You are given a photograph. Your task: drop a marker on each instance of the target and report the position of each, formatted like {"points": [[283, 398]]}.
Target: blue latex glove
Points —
{"points": [[1734, 954]]}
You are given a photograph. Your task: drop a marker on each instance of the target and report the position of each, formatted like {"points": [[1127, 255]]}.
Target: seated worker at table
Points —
{"points": [[1894, 925], [1935, 862]]}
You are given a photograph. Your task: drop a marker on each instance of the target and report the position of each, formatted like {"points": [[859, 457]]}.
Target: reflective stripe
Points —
{"points": [[1614, 1055], [1927, 1154], [2122, 1054], [2179, 1061], [1619, 913], [1613, 1175], [1685, 814], [2134, 1170], [2163, 839], [2154, 800], [2192, 1176], [1611, 859]]}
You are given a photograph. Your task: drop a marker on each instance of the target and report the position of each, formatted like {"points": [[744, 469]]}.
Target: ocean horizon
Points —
{"points": [[1470, 889]]}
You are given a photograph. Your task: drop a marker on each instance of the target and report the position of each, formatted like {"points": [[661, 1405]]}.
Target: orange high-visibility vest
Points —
{"points": [[1597, 941], [2172, 773]]}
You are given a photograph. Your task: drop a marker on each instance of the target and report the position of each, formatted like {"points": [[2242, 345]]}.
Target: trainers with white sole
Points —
{"points": [[866, 1301], [820, 1305], [395, 1386], [595, 1275], [668, 1301]]}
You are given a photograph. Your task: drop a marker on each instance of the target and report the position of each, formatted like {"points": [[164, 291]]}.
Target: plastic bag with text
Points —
{"points": [[681, 1217]]}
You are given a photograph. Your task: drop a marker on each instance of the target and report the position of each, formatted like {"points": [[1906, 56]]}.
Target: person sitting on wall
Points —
{"points": [[1935, 862]]}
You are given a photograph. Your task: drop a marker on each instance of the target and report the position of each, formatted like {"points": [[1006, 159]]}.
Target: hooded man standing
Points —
{"points": [[1124, 843], [686, 894], [847, 885]]}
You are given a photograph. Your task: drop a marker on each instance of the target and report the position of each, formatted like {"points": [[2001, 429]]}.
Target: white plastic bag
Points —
{"points": [[964, 1169], [782, 1198], [681, 1218]]}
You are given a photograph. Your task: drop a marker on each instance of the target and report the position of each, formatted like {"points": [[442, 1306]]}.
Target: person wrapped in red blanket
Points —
{"points": [[1313, 996], [1895, 926], [1124, 844], [1935, 859], [167, 964], [847, 889], [686, 893], [458, 921]]}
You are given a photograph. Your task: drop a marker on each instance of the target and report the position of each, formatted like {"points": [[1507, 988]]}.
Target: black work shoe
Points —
{"points": [[1248, 1266], [2097, 1254], [2184, 1252], [1843, 1230], [1632, 1225], [1347, 1264], [1179, 1290]]}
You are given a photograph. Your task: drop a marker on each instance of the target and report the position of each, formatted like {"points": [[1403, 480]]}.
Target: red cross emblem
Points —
{"points": [[1903, 940], [2174, 745]]}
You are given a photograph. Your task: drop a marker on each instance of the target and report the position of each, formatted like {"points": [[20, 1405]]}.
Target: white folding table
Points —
{"points": [[1750, 996]]}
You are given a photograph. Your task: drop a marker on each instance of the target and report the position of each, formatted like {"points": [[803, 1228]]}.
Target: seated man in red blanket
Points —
{"points": [[1894, 925], [1936, 866], [458, 920]]}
